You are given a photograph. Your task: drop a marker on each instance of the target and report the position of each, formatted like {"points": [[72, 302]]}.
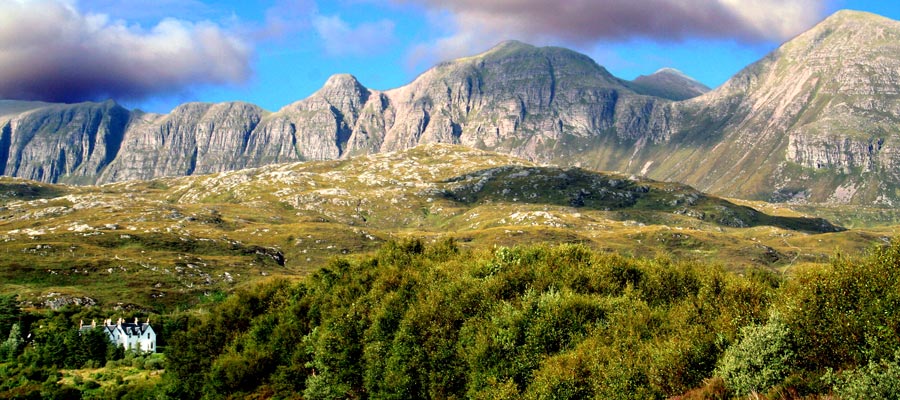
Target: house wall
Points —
{"points": [[142, 343]]}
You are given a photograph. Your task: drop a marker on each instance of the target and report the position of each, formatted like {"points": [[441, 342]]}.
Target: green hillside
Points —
{"points": [[171, 242]]}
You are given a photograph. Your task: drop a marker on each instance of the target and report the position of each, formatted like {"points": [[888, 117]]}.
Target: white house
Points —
{"points": [[135, 336]]}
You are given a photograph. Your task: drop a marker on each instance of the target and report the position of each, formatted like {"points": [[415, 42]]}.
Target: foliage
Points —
{"points": [[9, 313], [418, 321], [847, 313], [10, 348], [762, 358], [533, 322], [875, 380]]}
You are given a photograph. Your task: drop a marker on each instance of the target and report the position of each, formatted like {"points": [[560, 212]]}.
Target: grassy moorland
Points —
{"points": [[167, 244]]}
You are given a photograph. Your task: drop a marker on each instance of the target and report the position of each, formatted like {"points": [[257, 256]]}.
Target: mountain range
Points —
{"points": [[815, 120]]}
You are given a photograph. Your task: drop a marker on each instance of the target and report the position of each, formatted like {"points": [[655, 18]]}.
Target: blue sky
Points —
{"points": [[154, 55]]}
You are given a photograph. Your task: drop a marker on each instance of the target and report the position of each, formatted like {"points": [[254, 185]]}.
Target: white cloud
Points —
{"points": [[339, 38], [51, 51]]}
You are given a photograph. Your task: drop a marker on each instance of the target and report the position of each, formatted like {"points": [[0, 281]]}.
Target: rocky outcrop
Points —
{"points": [[838, 153]]}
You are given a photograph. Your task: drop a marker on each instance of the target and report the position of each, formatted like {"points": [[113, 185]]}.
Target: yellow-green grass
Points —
{"points": [[168, 243]]}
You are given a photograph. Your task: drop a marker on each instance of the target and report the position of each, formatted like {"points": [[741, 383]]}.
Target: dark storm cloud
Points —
{"points": [[52, 52], [581, 22]]}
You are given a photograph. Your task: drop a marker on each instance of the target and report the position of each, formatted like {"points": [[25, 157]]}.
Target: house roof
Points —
{"points": [[132, 329], [129, 328]]}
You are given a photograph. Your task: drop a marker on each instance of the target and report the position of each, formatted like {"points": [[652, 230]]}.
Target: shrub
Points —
{"points": [[91, 384], [876, 380], [847, 313], [154, 363], [760, 360]]}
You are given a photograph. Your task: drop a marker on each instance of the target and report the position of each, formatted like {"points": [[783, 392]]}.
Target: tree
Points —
{"points": [[10, 348], [9, 313], [97, 345]]}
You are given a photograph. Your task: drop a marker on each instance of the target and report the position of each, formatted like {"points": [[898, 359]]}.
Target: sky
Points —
{"points": [[155, 54]]}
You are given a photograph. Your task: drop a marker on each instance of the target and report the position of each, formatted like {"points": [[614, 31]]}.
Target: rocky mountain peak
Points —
{"points": [[342, 86], [508, 47], [825, 102], [669, 83], [842, 18], [342, 81], [846, 30]]}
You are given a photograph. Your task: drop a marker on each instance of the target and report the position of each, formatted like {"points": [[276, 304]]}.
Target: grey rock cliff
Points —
{"points": [[195, 138], [60, 143], [817, 116]]}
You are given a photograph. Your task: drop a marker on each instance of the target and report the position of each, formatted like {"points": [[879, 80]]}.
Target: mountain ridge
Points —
{"points": [[812, 121], [671, 84]]}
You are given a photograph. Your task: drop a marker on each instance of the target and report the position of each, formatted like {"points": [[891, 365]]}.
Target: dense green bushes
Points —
{"points": [[877, 379], [760, 360], [847, 314], [537, 322], [419, 321]]}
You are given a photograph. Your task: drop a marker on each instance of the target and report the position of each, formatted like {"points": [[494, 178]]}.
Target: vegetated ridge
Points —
{"points": [[167, 242]]}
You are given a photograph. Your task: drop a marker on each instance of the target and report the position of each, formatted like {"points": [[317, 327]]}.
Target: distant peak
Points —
{"points": [[669, 83], [670, 71], [342, 80], [508, 47], [853, 14], [844, 18], [512, 44]]}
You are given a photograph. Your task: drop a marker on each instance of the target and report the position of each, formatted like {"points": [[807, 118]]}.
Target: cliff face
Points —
{"points": [[815, 120], [60, 143], [814, 117], [515, 98], [194, 138]]}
